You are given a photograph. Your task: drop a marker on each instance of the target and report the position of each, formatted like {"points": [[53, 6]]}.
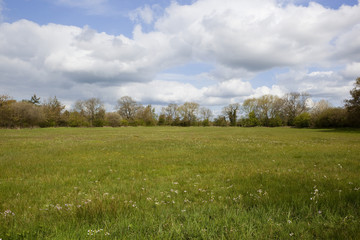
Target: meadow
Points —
{"points": [[179, 183]]}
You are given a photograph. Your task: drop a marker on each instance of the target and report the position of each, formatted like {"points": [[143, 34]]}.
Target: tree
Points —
{"points": [[231, 112], [35, 100], [303, 120], [353, 105], [52, 110], [332, 118], [220, 121], [250, 121], [205, 115], [317, 111], [127, 108], [6, 111], [26, 114], [267, 109], [147, 115], [171, 113], [294, 104], [93, 110], [113, 119], [188, 113]]}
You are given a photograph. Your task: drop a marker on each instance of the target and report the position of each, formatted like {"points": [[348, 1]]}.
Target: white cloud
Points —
{"points": [[239, 38], [352, 71], [327, 85], [258, 35], [144, 14], [162, 92], [229, 89]]}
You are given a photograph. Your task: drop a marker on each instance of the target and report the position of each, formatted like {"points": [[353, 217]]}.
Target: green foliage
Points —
{"points": [[331, 118], [162, 120], [303, 120], [35, 100], [76, 119], [124, 123], [205, 123], [275, 121], [353, 105], [220, 121], [113, 119], [251, 121]]}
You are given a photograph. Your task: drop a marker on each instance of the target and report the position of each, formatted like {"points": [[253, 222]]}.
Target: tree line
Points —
{"points": [[268, 110]]}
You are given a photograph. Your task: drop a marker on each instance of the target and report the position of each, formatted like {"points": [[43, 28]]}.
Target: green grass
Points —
{"points": [[179, 183]]}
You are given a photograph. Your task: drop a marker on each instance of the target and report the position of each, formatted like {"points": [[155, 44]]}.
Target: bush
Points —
{"points": [[113, 119], [303, 120], [124, 123], [251, 121], [331, 118]]}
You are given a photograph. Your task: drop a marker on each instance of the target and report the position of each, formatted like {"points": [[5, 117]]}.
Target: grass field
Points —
{"points": [[179, 183]]}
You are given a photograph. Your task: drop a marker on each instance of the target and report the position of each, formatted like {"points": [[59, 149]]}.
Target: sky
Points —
{"points": [[158, 52]]}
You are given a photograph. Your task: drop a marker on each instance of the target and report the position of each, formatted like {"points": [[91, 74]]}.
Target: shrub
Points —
{"points": [[331, 118], [303, 120]]}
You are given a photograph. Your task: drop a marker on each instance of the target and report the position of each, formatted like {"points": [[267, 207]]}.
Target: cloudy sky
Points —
{"points": [[162, 51]]}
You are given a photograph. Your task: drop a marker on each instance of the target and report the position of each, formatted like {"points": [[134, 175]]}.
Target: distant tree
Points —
{"points": [[249, 105], [302, 120], [6, 111], [35, 100], [162, 120], [127, 108], [353, 105], [205, 115], [294, 104], [231, 111], [52, 109], [332, 118], [171, 113], [146, 115], [267, 109], [220, 121], [77, 119], [113, 119], [188, 112], [26, 114], [317, 111], [250, 121], [93, 110]]}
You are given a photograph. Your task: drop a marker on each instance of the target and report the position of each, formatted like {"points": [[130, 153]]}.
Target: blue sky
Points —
{"points": [[159, 52]]}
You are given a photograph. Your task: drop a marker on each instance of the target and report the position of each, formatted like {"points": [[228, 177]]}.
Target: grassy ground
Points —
{"points": [[179, 183]]}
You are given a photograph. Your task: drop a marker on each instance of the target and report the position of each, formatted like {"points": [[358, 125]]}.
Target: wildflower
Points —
{"points": [[58, 207], [8, 213], [289, 221]]}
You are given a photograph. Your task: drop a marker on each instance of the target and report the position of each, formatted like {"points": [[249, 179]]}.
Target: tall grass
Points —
{"points": [[179, 183]]}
